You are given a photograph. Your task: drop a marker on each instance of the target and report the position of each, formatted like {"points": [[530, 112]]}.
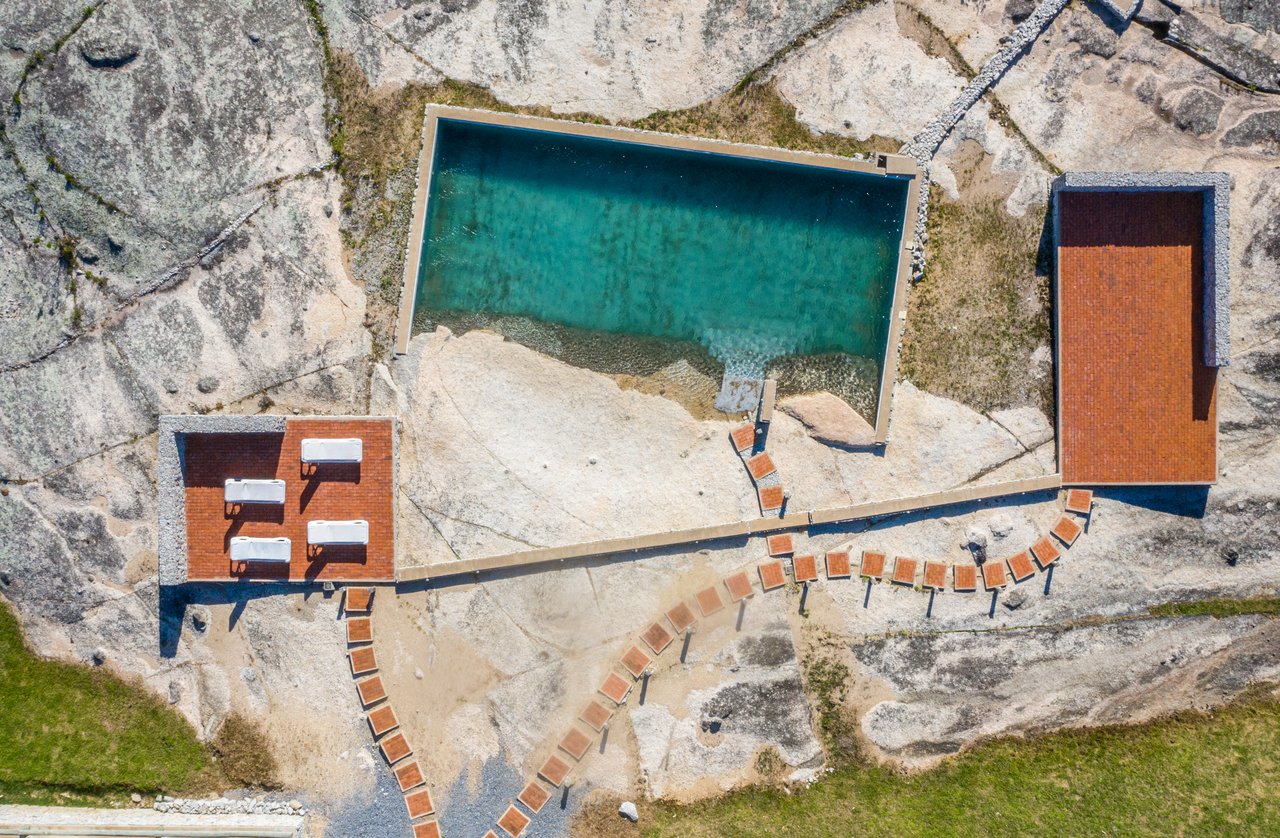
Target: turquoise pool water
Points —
{"points": [[751, 259]]}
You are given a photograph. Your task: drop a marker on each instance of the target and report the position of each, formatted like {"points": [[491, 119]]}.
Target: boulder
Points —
{"points": [[628, 811], [1198, 112], [829, 420]]}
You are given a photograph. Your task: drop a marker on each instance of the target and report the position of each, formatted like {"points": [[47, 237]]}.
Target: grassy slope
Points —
{"points": [[69, 733], [1190, 775]]}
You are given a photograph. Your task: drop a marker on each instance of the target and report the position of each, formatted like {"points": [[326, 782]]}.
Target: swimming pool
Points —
{"points": [[754, 254]]}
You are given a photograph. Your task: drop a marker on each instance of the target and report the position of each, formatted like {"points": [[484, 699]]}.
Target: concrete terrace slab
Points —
{"points": [[199, 453]]}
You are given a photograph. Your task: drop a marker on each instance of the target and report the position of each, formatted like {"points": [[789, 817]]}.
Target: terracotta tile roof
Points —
{"points": [[781, 544], [872, 564], [513, 821], [635, 661], [419, 803], [772, 575], [805, 568], [429, 829], [357, 600], [1136, 402], [838, 566], [656, 638], [371, 690], [362, 660], [761, 465], [382, 720], [554, 770], [935, 575], [744, 437], [681, 617], [1045, 551], [596, 715], [771, 498], [534, 796], [395, 747], [1080, 501], [409, 775], [337, 492], [614, 688], [1066, 530], [739, 586], [575, 743], [964, 577], [359, 630], [904, 571], [994, 574], [1021, 567], [709, 601]]}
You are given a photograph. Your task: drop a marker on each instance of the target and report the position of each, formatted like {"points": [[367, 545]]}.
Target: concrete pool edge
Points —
{"points": [[884, 165]]}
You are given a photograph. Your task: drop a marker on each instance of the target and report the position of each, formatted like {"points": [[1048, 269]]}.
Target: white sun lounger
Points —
{"points": [[246, 549], [337, 532], [332, 450], [237, 490]]}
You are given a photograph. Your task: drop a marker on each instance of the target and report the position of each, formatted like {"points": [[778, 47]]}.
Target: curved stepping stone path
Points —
{"points": [[384, 726], [576, 743]]}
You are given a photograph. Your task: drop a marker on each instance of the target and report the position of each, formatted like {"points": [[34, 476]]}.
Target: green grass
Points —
{"points": [[1192, 774], [72, 734], [1218, 607]]}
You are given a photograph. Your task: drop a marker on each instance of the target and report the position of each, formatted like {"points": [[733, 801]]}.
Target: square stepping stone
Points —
{"points": [[635, 661], [363, 660], [395, 748], [1020, 566], [419, 804], [614, 688], [781, 544], [1080, 501], [935, 575], [872, 565], [371, 690], [1045, 551], [681, 618], [357, 600], [805, 568], [772, 575], [656, 638], [359, 630], [838, 566], [994, 575], [429, 829], [575, 743], [554, 770], [1067, 530], [382, 720], [739, 586], [771, 498], [513, 821], [709, 601], [409, 776], [534, 796], [964, 577], [744, 437], [904, 572], [595, 715], [761, 466]]}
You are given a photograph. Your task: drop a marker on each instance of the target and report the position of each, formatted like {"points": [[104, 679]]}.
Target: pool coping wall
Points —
{"points": [[884, 165]]}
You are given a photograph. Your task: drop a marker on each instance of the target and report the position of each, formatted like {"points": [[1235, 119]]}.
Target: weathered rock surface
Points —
{"points": [[829, 420], [1038, 679], [590, 55], [1260, 130], [1198, 111], [1228, 49]]}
